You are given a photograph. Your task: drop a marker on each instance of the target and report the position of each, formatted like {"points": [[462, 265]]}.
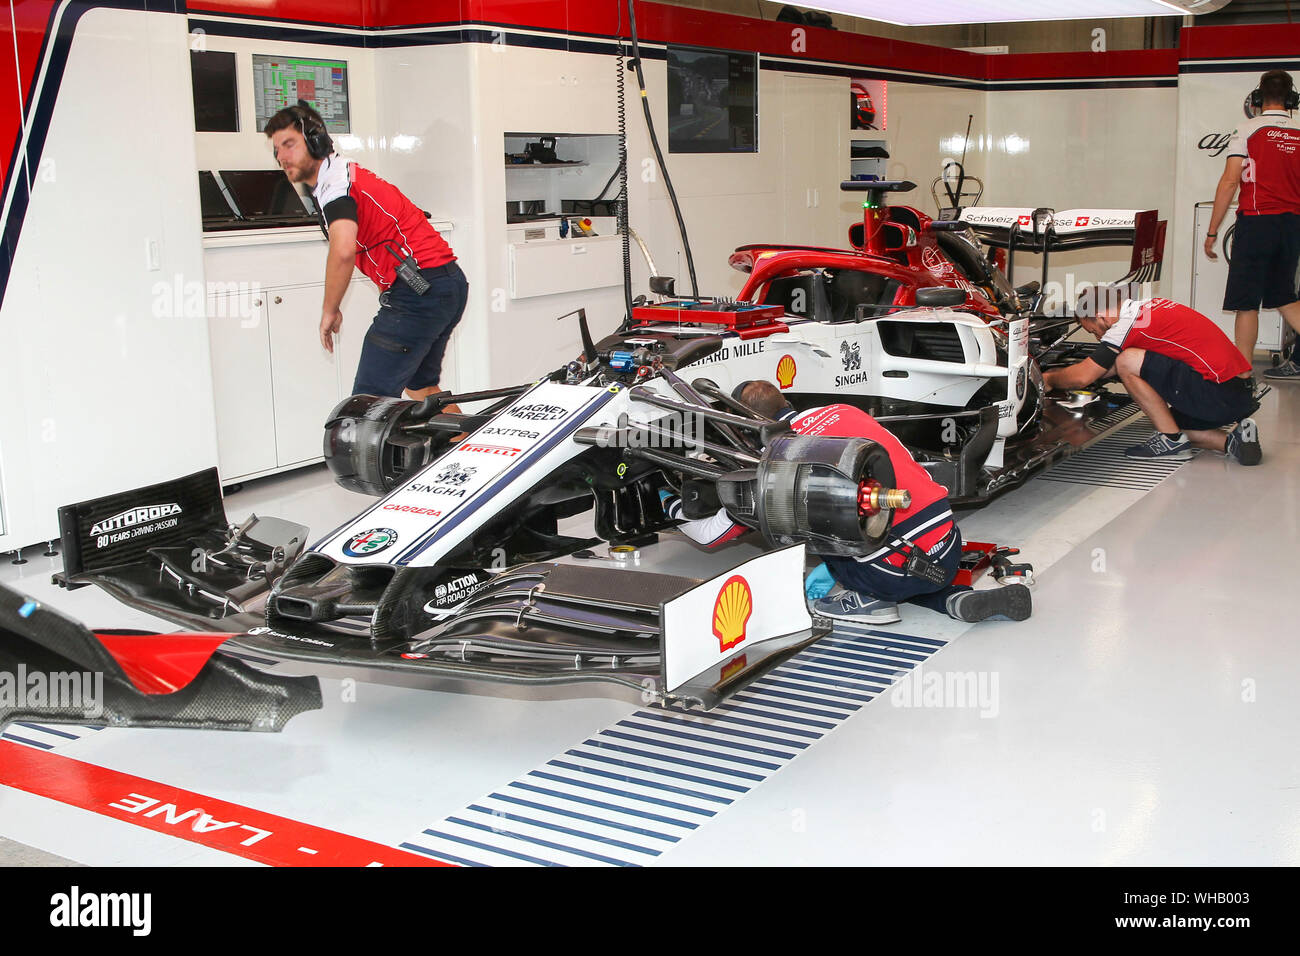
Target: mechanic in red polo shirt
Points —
{"points": [[872, 585], [1187, 376], [371, 225], [1264, 159]]}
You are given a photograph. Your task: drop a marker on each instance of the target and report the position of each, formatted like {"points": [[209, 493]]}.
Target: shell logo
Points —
{"points": [[786, 371], [731, 612], [733, 667]]}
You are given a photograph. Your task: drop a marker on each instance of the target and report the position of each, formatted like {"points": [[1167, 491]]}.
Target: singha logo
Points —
{"points": [[455, 474], [851, 356]]}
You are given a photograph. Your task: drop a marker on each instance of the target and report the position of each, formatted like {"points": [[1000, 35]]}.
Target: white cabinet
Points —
{"points": [[552, 266], [812, 159], [239, 339], [304, 377], [273, 383]]}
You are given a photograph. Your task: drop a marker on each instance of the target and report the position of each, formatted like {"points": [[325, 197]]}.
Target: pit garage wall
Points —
{"points": [[1081, 130], [104, 383]]}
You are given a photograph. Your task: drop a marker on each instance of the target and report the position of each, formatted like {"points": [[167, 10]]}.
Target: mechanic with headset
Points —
{"points": [[1264, 159], [1180, 368], [872, 585], [372, 225]]}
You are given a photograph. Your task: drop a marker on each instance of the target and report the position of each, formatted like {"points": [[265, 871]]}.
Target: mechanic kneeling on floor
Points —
{"points": [[1180, 368], [873, 585]]}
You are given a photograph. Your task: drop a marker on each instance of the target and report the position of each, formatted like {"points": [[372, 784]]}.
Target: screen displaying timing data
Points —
{"points": [[280, 81]]}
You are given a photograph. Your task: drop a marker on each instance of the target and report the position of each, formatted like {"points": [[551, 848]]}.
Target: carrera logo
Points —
{"points": [[491, 450], [538, 413], [786, 371], [414, 510], [1081, 221], [135, 516], [731, 612], [370, 542]]}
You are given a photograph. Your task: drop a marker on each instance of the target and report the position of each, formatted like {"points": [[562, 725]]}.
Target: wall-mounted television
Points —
{"points": [[216, 105], [712, 101], [280, 81]]}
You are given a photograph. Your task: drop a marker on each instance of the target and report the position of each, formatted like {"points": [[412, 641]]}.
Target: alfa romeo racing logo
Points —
{"points": [[370, 542]]}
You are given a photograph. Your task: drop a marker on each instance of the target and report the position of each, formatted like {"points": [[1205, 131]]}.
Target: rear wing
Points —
{"points": [[1046, 230]]}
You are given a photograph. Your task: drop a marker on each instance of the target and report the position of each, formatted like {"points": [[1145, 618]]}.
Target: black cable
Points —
{"points": [[659, 156], [621, 172]]}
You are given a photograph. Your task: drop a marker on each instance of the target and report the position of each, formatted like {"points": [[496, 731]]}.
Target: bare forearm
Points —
{"points": [[1223, 196], [1072, 376], [338, 273]]}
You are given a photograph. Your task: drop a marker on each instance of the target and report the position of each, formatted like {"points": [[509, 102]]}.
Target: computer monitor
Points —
{"points": [[266, 194], [212, 199]]}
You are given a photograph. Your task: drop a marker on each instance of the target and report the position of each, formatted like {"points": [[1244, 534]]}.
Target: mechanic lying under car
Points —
{"points": [[871, 586], [1180, 368]]}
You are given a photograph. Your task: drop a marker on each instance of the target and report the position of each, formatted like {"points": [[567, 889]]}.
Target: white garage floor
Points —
{"points": [[1146, 714]]}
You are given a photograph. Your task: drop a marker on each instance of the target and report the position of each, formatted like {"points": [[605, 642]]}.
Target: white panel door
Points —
{"points": [[238, 338], [1210, 281], [813, 158], [799, 158], [304, 376]]}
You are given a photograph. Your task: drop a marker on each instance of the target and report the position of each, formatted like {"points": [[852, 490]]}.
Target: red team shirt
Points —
{"points": [[1175, 331], [1270, 175], [383, 215], [922, 523], [926, 523]]}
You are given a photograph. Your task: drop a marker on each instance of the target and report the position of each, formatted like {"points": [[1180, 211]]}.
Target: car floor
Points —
{"points": [[1145, 714]]}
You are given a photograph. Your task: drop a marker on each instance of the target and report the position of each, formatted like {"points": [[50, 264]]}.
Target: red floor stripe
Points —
{"points": [[229, 827]]}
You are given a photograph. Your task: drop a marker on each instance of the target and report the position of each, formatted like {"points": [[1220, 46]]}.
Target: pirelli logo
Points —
{"points": [[503, 450]]}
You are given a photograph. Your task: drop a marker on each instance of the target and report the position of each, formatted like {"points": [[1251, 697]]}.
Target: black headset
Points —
{"points": [[1289, 102], [314, 133]]}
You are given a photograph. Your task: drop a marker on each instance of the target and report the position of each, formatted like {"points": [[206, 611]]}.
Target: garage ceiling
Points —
{"points": [[915, 13]]}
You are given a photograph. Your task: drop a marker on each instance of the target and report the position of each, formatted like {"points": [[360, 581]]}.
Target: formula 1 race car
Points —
{"points": [[467, 566], [462, 569]]}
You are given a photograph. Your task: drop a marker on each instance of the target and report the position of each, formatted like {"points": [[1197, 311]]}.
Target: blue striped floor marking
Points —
{"points": [[1105, 465], [43, 737], [626, 794]]}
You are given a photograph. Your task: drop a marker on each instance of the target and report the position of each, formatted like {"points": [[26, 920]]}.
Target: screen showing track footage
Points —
{"points": [[280, 81], [712, 101]]}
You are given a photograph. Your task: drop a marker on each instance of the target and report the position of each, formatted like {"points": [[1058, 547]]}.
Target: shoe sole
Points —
{"points": [[1171, 456], [893, 618], [1250, 453], [1012, 600]]}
